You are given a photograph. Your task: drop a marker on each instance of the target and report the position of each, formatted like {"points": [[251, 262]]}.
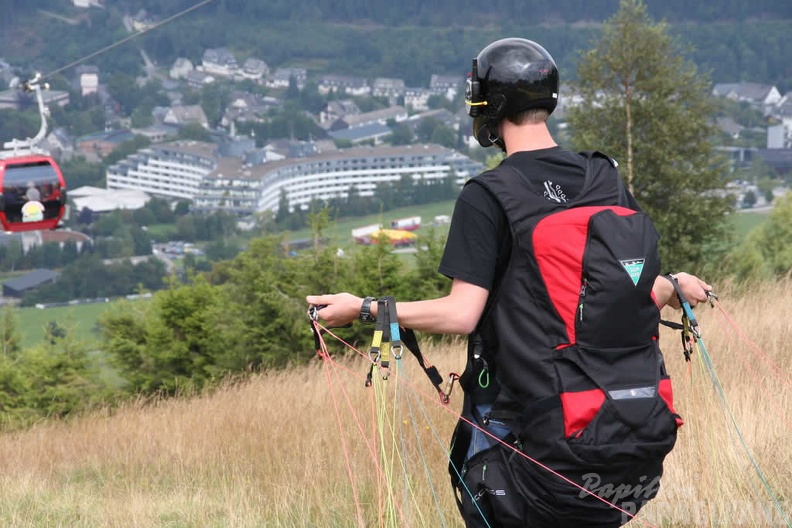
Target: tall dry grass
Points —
{"points": [[314, 447]]}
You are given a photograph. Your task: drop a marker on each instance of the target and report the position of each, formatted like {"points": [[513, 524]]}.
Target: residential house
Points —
{"points": [[198, 79], [87, 79], [387, 87], [248, 107], [418, 98], [254, 69], [219, 62], [338, 109], [282, 77], [382, 117], [343, 84], [143, 21], [98, 145], [185, 115], [762, 96], [181, 68], [446, 85]]}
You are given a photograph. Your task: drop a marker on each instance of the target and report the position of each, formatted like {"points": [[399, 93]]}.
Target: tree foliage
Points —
{"points": [[766, 254], [649, 108], [53, 380], [249, 313]]}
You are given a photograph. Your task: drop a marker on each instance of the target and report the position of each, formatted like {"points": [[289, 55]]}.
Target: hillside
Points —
{"points": [[409, 40], [288, 449]]}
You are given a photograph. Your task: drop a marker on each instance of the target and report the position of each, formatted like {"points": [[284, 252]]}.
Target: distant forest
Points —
{"points": [[731, 40]]}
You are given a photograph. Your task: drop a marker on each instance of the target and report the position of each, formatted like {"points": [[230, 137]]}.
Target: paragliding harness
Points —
{"points": [[584, 385]]}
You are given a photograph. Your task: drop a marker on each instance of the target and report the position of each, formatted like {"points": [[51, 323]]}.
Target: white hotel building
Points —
{"points": [[169, 170], [192, 170]]}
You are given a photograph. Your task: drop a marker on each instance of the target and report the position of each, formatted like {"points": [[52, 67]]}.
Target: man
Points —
{"points": [[32, 194], [551, 398]]}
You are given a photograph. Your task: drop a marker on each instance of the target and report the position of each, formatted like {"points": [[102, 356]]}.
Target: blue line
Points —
{"points": [[711, 370], [443, 446]]}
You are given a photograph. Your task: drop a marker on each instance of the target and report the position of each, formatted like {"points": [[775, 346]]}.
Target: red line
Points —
{"points": [[755, 348], [359, 509], [369, 445]]}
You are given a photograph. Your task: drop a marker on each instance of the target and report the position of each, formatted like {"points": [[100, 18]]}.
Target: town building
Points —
{"points": [[169, 170], [219, 62], [247, 189]]}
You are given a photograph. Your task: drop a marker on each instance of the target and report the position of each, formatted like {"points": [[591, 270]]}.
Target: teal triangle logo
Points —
{"points": [[634, 268]]}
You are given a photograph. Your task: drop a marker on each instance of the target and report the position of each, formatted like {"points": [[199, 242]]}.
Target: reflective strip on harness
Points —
{"points": [[631, 394]]}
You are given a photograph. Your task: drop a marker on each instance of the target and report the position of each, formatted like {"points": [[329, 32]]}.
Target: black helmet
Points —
{"points": [[509, 76]]}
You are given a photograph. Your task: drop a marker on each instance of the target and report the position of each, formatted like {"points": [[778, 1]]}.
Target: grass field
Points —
{"points": [[313, 446], [78, 320], [340, 232], [746, 222]]}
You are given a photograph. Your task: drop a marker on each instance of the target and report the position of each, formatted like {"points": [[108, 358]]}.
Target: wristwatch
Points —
{"points": [[365, 316]]}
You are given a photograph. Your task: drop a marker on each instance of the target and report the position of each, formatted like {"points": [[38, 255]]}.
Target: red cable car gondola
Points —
{"points": [[32, 188], [32, 193]]}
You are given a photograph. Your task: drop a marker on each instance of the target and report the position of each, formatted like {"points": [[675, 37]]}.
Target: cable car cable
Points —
{"points": [[126, 39]]}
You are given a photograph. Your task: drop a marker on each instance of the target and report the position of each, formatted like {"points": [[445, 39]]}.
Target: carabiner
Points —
{"points": [[711, 298], [313, 311], [445, 395]]}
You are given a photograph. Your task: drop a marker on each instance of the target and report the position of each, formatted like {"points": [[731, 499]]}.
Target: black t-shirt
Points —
{"points": [[479, 238]]}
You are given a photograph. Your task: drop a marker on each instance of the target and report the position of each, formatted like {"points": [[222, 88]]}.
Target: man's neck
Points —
{"points": [[519, 138]]}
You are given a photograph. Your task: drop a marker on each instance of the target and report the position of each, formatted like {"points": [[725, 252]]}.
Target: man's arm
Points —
{"points": [[456, 313]]}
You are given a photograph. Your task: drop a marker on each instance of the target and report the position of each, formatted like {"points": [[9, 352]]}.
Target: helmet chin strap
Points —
{"points": [[487, 134], [495, 140]]}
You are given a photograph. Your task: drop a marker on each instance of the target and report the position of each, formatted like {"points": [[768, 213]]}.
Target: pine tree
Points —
{"points": [[649, 108], [9, 335]]}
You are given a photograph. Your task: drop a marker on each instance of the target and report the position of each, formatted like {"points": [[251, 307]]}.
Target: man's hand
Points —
{"points": [[693, 288], [339, 308]]}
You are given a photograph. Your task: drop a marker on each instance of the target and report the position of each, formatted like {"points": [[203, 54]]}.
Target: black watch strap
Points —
{"points": [[365, 316]]}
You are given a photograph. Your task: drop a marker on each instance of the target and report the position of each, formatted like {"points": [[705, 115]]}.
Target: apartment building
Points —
{"points": [[328, 175], [195, 171], [170, 170]]}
